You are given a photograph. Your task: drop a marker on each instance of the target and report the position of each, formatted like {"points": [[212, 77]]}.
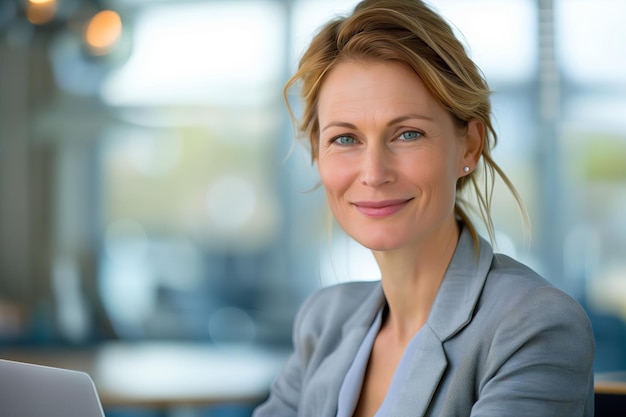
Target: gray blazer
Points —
{"points": [[499, 341]]}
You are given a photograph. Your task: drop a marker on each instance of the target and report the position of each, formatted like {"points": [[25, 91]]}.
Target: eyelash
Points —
{"points": [[418, 136], [336, 140]]}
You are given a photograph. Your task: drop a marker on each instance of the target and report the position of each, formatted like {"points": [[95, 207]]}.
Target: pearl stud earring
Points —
{"points": [[466, 169]]}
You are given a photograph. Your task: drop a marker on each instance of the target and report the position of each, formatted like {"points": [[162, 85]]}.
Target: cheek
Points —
{"points": [[336, 177], [434, 173]]}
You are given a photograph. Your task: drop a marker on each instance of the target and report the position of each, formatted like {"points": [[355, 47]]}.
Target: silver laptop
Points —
{"points": [[28, 390]]}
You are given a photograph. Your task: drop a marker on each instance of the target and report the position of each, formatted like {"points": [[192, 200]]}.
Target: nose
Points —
{"points": [[377, 167]]}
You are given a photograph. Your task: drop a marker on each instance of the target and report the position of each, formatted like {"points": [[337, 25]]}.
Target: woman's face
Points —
{"points": [[389, 155]]}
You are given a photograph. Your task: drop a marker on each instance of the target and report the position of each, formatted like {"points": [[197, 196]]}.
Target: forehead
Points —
{"points": [[381, 88]]}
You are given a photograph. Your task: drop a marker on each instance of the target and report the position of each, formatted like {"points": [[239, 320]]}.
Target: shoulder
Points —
{"points": [[331, 313], [516, 282], [337, 302], [523, 302], [528, 343], [510, 279]]}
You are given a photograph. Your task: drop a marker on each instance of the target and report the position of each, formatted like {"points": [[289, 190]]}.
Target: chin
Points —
{"points": [[379, 245]]}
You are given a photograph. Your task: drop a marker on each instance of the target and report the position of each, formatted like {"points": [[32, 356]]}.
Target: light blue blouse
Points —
{"points": [[352, 384]]}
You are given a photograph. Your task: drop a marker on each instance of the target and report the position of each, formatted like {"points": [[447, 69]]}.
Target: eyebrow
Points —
{"points": [[392, 122]]}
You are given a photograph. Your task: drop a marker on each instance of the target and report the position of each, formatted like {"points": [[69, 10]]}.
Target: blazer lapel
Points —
{"points": [[452, 310], [428, 366], [461, 287], [330, 376]]}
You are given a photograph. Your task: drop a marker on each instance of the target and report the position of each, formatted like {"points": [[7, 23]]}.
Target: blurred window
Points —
{"points": [[191, 207], [209, 221], [220, 53], [592, 49]]}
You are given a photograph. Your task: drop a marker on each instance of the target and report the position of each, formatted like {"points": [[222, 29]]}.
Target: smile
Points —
{"points": [[380, 209]]}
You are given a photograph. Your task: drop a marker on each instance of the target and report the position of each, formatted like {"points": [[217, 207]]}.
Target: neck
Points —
{"points": [[411, 278]]}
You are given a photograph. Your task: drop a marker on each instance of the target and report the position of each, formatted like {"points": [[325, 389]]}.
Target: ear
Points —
{"points": [[474, 141]]}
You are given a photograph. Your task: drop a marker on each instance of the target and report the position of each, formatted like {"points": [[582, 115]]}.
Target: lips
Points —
{"points": [[380, 209]]}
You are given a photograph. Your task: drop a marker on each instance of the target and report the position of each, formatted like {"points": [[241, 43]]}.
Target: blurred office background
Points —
{"points": [[150, 188]]}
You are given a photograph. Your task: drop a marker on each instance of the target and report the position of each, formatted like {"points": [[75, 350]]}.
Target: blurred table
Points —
{"points": [[165, 375], [612, 383]]}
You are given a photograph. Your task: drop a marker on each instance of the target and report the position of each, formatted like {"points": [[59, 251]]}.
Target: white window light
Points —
{"points": [[201, 53]]}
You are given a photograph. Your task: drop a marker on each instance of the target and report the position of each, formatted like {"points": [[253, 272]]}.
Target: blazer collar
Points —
{"points": [[455, 301], [452, 310], [339, 361], [461, 287]]}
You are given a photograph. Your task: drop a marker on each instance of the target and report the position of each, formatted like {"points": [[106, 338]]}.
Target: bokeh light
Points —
{"points": [[103, 32], [40, 12]]}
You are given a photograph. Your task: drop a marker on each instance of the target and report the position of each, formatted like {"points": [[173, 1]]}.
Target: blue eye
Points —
{"points": [[410, 135], [344, 140]]}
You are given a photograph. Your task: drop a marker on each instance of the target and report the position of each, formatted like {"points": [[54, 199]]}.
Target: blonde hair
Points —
{"points": [[410, 33]]}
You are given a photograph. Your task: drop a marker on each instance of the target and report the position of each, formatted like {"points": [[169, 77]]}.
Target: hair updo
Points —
{"points": [[410, 33]]}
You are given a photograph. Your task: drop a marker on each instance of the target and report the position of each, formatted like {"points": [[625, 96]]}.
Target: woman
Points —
{"points": [[398, 119]]}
